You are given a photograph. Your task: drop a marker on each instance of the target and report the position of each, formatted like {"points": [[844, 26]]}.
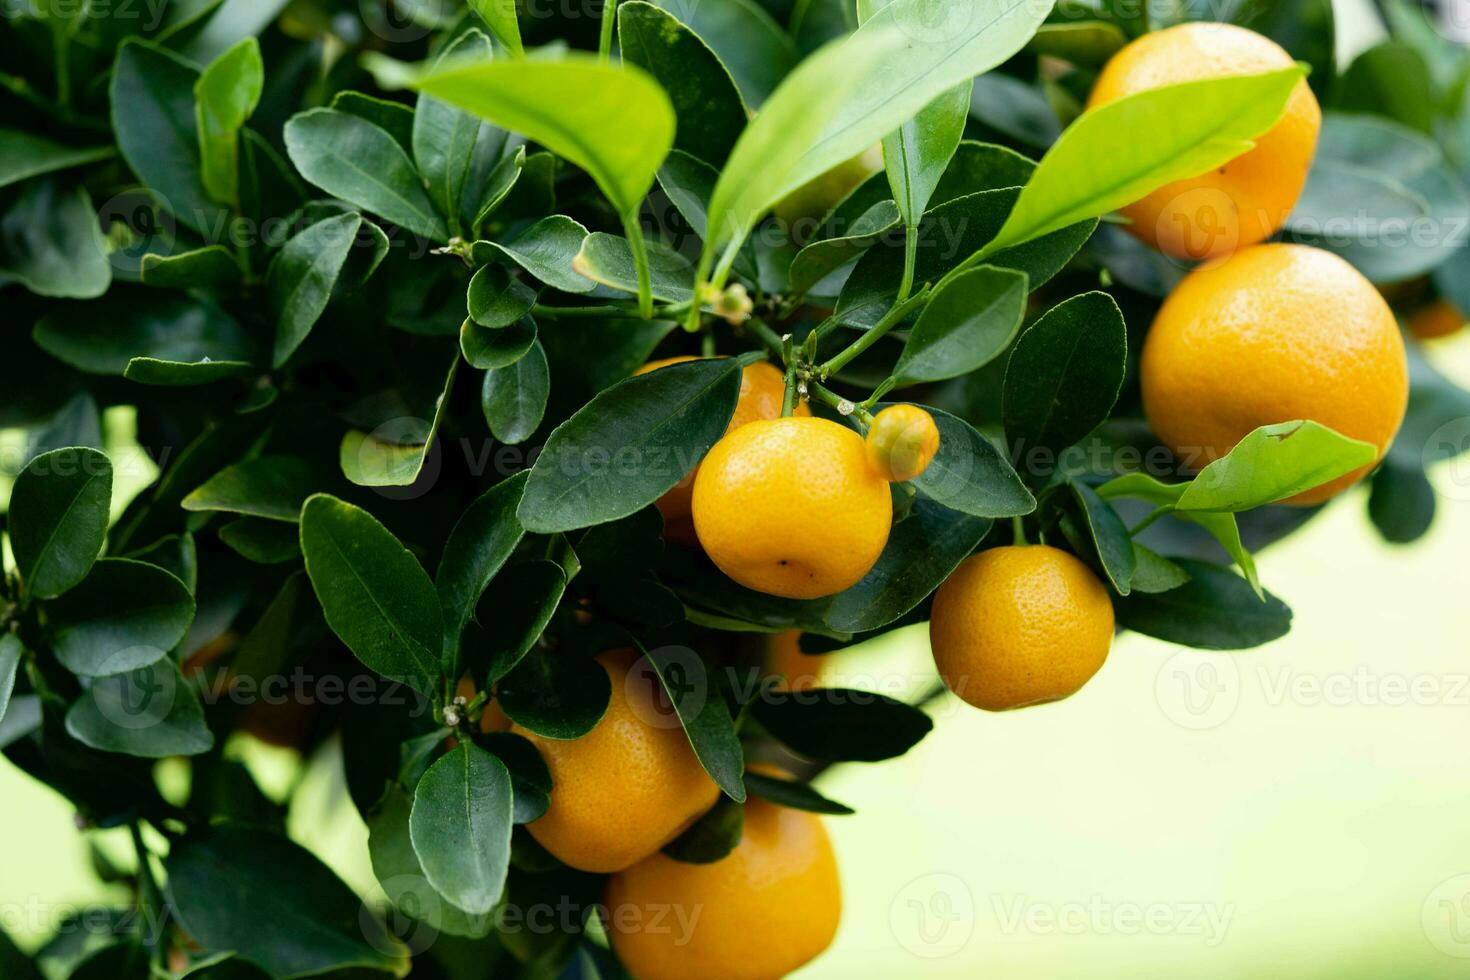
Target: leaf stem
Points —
{"points": [[843, 406], [910, 260], [891, 319], [766, 336], [622, 312], [604, 42], [639, 248], [1144, 524], [1018, 530]]}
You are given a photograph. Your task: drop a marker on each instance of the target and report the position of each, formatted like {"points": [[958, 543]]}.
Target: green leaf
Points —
{"points": [[614, 122], [225, 884], [260, 540], [530, 779], [1215, 610], [968, 474], [169, 373], [152, 100], [708, 107], [485, 536], [1275, 462], [699, 702], [373, 591], [712, 837], [11, 651], [1115, 548], [211, 266], [51, 244], [498, 185], [514, 612], [104, 336], [514, 397], [25, 155], [1086, 43], [351, 158], [849, 95], [1153, 573], [59, 508], [965, 325], [630, 445], [444, 136], [821, 258], [393, 455], [1120, 152], [488, 350], [793, 794], [840, 725], [225, 97], [272, 487], [608, 259], [497, 299], [747, 41], [1389, 79], [1402, 503], [1374, 180], [122, 960], [546, 250], [1063, 377], [555, 694], [917, 153], [394, 118], [150, 712], [461, 825], [125, 614], [402, 877], [500, 17], [302, 276]]}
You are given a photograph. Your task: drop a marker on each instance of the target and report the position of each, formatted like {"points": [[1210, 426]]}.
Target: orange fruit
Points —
{"points": [[1246, 200], [1020, 625], [769, 907], [1438, 319], [902, 442], [1274, 334], [626, 788], [792, 507], [762, 390], [797, 671]]}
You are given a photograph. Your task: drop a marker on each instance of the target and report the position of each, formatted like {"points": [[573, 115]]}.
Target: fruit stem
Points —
{"points": [[891, 319], [766, 336], [844, 406], [1018, 530]]}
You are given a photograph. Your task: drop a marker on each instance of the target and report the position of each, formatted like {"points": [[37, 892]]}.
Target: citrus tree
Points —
{"points": [[509, 406]]}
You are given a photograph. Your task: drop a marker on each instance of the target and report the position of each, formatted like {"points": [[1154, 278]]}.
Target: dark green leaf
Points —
{"points": [[712, 837], [514, 397], [1389, 79], [444, 136], [1109, 536], [840, 725], [373, 591], [152, 99], [150, 712], [757, 52], [917, 153], [970, 475], [530, 779], [125, 614], [821, 258], [11, 650], [699, 701], [485, 536], [226, 887], [545, 250], [302, 276], [104, 336], [59, 509], [1215, 610], [555, 694], [51, 244], [608, 259], [260, 540], [351, 158], [1063, 377], [1153, 573], [393, 455], [394, 118], [202, 268], [488, 349], [710, 111], [965, 326], [460, 827], [398, 870], [25, 155], [273, 487], [630, 444], [1402, 504], [498, 299], [514, 611], [794, 794]]}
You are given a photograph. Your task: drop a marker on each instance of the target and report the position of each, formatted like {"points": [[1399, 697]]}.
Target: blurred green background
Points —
{"points": [[1296, 811]]}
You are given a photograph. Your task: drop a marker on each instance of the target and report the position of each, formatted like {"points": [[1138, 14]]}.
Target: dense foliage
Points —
{"points": [[368, 287]]}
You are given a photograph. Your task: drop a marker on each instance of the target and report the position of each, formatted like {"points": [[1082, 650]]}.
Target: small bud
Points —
{"points": [[845, 408], [452, 717]]}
